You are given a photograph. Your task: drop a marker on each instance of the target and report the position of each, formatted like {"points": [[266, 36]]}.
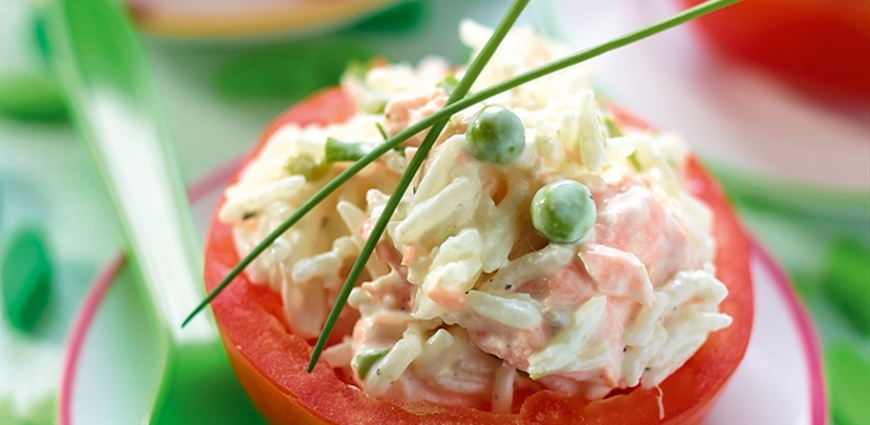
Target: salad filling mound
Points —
{"points": [[541, 246]]}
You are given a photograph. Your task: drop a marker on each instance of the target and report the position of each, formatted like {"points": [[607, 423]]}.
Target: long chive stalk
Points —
{"points": [[464, 86], [446, 113]]}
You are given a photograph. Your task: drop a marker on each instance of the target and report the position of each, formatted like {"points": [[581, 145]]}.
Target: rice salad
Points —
{"points": [[465, 302]]}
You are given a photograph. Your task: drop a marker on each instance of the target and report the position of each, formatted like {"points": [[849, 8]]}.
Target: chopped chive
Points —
{"points": [[377, 106], [338, 151], [449, 83], [398, 148], [446, 113], [382, 131], [612, 129], [365, 361], [304, 164], [356, 69], [634, 161]]}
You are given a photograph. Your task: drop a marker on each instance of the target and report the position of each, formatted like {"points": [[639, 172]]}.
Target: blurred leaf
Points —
{"points": [[846, 282], [289, 71], [40, 39], [803, 286], [33, 96], [43, 411], [7, 412], [402, 17], [25, 279], [848, 378]]}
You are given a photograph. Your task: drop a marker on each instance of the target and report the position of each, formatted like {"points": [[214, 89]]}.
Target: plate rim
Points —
{"points": [[100, 287], [277, 19]]}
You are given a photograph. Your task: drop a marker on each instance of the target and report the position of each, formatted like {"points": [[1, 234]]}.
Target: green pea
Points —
{"points": [[305, 164], [365, 361], [496, 134], [563, 211], [26, 279]]}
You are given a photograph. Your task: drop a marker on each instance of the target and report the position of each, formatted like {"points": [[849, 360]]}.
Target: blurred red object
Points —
{"points": [[818, 45]]}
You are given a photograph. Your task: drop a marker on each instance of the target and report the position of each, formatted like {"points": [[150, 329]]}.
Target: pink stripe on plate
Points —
{"points": [[79, 330], [100, 288], [812, 349]]}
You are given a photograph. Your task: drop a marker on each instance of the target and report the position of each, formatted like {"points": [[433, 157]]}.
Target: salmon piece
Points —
{"points": [[405, 110]]}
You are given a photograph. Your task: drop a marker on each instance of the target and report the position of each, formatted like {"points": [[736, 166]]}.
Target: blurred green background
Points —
{"points": [[57, 229]]}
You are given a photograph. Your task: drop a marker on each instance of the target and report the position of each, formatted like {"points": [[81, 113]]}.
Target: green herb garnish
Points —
{"points": [[449, 83], [437, 121], [339, 151], [365, 361], [612, 129], [383, 132], [305, 164]]}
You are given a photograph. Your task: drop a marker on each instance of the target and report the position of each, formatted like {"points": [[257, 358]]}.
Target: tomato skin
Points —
{"points": [[820, 45], [270, 362]]}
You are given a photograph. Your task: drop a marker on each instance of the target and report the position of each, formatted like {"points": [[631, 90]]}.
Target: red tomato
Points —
{"points": [[821, 45], [271, 362]]}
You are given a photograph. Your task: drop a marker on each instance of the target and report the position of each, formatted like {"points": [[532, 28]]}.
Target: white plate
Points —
{"points": [[110, 367]]}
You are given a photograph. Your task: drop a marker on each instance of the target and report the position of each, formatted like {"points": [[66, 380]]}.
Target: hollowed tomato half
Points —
{"points": [[271, 362]]}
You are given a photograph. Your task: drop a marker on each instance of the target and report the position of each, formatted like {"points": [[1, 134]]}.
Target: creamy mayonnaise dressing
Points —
{"points": [[464, 303]]}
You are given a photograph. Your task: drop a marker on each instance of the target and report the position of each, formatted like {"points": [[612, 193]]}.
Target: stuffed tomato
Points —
{"points": [[555, 262]]}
